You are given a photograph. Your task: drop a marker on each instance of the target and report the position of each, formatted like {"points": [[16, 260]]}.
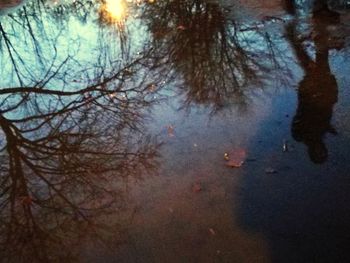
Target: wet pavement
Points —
{"points": [[174, 131]]}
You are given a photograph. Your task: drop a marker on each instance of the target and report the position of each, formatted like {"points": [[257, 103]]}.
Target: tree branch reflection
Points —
{"points": [[214, 56], [72, 136]]}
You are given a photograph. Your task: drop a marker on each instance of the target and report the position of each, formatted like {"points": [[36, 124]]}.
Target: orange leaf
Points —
{"points": [[196, 188], [236, 158]]}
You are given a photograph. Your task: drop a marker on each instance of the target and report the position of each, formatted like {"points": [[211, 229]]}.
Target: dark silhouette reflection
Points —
{"points": [[210, 52], [317, 92], [301, 212]]}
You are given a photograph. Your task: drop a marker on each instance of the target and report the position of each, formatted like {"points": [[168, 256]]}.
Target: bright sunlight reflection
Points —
{"points": [[116, 9]]}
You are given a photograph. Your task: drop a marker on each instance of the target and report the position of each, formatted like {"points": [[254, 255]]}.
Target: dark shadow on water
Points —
{"points": [[302, 212]]}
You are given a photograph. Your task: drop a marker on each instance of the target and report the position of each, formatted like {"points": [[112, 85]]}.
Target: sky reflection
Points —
{"points": [[97, 96]]}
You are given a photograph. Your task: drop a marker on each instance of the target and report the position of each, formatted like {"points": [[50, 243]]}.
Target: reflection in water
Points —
{"points": [[302, 210], [216, 59], [65, 155], [73, 104], [116, 8], [6, 6], [61, 179], [71, 138], [72, 111], [317, 92], [63, 160]]}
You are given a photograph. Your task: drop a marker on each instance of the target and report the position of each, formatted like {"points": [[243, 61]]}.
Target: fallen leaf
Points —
{"points": [[196, 188], [170, 130], [235, 158], [212, 231]]}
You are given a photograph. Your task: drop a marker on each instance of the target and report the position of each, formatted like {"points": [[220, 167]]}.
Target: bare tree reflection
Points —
{"points": [[63, 157], [71, 138], [214, 56]]}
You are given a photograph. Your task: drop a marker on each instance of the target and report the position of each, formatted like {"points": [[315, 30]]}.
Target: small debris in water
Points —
{"points": [[196, 187], [170, 129], [212, 231], [151, 87], [226, 156], [270, 171], [285, 146], [236, 158]]}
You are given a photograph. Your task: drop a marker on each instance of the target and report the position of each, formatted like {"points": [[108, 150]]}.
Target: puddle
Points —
{"points": [[174, 131]]}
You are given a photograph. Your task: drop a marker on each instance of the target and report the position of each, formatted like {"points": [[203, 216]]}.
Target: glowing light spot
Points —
{"points": [[116, 9]]}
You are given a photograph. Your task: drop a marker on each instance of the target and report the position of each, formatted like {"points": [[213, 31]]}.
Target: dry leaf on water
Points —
{"points": [[235, 158], [170, 130], [212, 231], [196, 188]]}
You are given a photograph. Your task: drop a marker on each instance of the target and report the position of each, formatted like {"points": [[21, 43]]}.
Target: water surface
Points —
{"points": [[174, 131]]}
